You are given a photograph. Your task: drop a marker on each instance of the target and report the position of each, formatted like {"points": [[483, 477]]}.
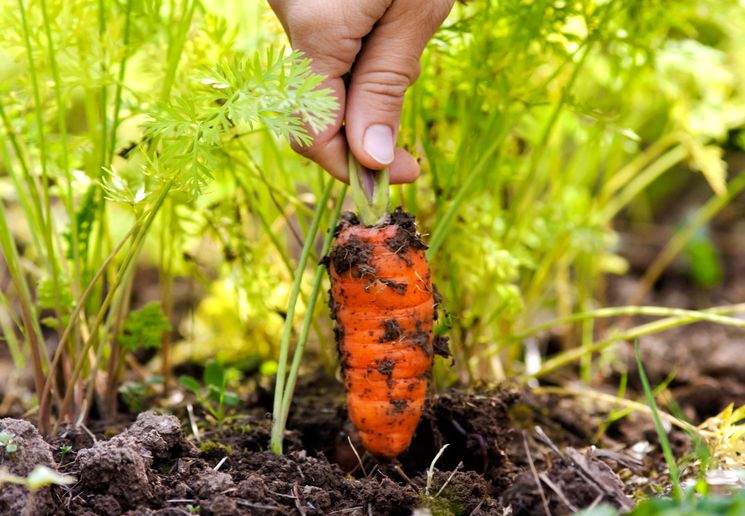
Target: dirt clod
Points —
{"points": [[31, 451], [392, 331], [208, 482], [121, 466], [406, 235], [385, 367], [441, 344], [355, 255]]}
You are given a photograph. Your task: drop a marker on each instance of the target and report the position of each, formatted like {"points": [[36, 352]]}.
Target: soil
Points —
{"points": [[499, 442]]}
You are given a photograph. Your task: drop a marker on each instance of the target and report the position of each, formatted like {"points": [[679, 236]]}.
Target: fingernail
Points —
{"points": [[378, 143]]}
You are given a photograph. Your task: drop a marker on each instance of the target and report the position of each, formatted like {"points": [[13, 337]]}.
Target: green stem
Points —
{"points": [[284, 346], [79, 306], [175, 49], [369, 192], [28, 312], [129, 261], [662, 435], [30, 201], [309, 312], [8, 325], [47, 221], [658, 167], [714, 315], [120, 82], [103, 93], [689, 317], [62, 127]]}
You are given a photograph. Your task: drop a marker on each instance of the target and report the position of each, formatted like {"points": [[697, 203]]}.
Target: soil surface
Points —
{"points": [[508, 452]]}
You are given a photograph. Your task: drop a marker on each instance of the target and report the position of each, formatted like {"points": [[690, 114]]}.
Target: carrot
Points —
{"points": [[384, 305]]}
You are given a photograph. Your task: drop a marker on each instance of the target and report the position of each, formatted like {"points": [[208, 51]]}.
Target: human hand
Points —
{"points": [[380, 43]]}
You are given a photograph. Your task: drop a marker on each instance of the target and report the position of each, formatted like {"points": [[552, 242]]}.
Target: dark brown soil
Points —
{"points": [[157, 466]]}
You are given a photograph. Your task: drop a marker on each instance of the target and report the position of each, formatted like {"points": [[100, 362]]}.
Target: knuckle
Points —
{"points": [[389, 83]]}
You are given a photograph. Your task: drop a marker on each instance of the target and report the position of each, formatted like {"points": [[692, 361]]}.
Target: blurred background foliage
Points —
{"points": [[538, 123]]}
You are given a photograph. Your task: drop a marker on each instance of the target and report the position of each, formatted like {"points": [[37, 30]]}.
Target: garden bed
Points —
{"points": [[499, 441]]}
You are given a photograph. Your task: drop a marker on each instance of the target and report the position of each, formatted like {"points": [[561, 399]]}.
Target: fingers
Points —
{"points": [[387, 65], [329, 147], [330, 33]]}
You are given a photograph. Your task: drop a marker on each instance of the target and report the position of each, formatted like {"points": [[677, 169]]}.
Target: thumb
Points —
{"points": [[385, 68]]}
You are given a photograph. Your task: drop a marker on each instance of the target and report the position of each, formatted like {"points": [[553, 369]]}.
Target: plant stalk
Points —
{"points": [[309, 314], [284, 346], [369, 192]]}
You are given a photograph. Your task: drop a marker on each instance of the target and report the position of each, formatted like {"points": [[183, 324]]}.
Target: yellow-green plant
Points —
{"points": [[116, 118]]}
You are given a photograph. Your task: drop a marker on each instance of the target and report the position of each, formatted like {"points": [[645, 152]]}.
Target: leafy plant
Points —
{"points": [[672, 465], [725, 437], [144, 328], [710, 505], [109, 144], [40, 476], [64, 451], [214, 397], [7, 443]]}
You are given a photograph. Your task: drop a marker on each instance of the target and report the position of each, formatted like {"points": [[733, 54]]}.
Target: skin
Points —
{"points": [[379, 44]]}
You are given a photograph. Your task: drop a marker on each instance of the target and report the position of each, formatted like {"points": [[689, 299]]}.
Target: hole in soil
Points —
{"points": [[476, 428]]}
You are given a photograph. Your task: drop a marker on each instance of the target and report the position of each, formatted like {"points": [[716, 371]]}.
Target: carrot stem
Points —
{"points": [[369, 192]]}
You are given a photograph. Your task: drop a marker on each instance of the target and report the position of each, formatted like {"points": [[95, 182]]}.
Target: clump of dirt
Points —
{"points": [[122, 467], [151, 467], [392, 331], [441, 346], [406, 235], [298, 481], [354, 254], [348, 218], [398, 287], [30, 451]]}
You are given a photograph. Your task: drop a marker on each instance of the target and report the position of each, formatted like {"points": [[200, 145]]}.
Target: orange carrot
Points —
{"points": [[384, 305]]}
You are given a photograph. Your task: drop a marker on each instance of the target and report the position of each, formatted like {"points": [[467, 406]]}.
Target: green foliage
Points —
{"points": [[64, 451], [216, 398], [150, 136], [279, 93], [538, 124], [709, 505], [120, 119], [7, 444], [40, 476], [136, 395], [144, 328], [661, 433]]}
